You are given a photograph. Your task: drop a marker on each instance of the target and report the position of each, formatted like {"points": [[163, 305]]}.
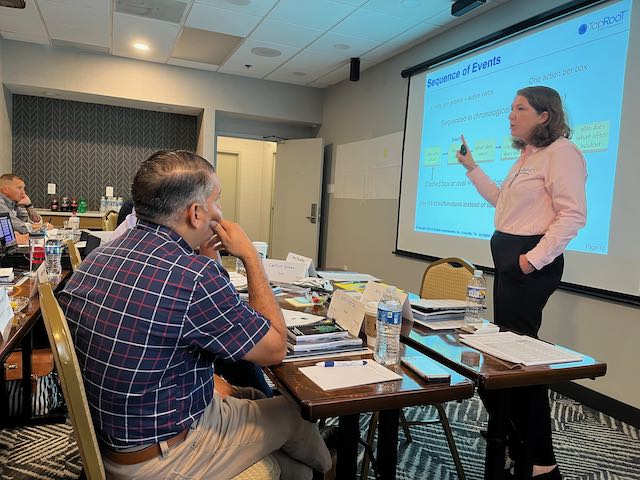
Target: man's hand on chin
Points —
{"points": [[24, 200]]}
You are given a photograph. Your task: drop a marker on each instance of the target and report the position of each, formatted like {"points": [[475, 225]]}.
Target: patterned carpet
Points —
{"points": [[589, 446]]}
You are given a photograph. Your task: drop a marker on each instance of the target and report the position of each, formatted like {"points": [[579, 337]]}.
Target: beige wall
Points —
{"points": [[254, 186], [375, 106], [32, 69], [5, 124]]}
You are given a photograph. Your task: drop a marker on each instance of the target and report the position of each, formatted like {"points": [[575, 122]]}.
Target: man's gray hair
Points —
{"points": [[168, 182]]}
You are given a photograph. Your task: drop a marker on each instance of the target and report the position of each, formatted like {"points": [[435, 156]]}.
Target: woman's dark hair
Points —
{"points": [[544, 99], [168, 182]]}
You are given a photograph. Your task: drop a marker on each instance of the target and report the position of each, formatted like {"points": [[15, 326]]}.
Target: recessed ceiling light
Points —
{"points": [[266, 52], [342, 46], [51, 94], [164, 109], [299, 74], [141, 46]]}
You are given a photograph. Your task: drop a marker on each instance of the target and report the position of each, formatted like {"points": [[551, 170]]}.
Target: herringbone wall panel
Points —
{"points": [[83, 147]]}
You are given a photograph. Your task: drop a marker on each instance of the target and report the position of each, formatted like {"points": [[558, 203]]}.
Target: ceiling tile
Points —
{"points": [[296, 78], [215, 19], [167, 10], [250, 7], [78, 22], [321, 14], [206, 47], [384, 51], [19, 37], [260, 66], [414, 10], [340, 74], [236, 68], [373, 25], [445, 17], [129, 29], [83, 47], [357, 46], [416, 34], [336, 76], [285, 33], [355, 3], [315, 63], [189, 64], [25, 21]]}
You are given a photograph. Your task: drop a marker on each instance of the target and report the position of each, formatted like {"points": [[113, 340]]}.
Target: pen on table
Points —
{"points": [[347, 363]]}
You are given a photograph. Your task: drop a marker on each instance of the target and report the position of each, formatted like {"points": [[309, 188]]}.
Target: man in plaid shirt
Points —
{"points": [[148, 315]]}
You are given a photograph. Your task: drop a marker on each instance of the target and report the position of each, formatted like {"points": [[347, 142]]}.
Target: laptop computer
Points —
{"points": [[7, 235]]}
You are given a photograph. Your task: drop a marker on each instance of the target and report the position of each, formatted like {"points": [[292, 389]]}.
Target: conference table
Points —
{"points": [[348, 403], [494, 378], [21, 335]]}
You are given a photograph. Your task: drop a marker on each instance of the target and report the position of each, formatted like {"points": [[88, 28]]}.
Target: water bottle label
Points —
{"points": [[479, 293], [390, 318]]}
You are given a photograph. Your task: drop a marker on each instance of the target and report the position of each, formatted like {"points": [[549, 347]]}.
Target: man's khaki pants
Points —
{"points": [[230, 436]]}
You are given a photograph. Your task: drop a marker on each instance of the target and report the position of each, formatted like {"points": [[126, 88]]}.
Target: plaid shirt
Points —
{"points": [[147, 316]]}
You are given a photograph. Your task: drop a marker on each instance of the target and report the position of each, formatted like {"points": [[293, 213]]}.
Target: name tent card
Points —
{"points": [[347, 311], [41, 274], [6, 315], [281, 271], [311, 270], [374, 290]]}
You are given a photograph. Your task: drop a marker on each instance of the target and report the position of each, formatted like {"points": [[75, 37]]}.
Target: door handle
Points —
{"points": [[314, 210]]}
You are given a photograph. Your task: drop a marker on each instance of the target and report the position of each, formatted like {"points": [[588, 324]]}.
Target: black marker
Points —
{"points": [[463, 150]]}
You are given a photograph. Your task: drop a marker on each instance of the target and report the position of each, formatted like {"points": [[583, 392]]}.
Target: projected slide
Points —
{"points": [[583, 59]]}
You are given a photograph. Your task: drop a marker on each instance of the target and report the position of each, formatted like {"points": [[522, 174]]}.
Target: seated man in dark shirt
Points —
{"points": [[148, 316]]}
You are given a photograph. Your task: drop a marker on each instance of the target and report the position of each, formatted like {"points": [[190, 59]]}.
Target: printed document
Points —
{"points": [[516, 348], [331, 378]]}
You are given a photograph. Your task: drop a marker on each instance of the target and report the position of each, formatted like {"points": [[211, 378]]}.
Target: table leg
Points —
{"points": [[388, 443], [349, 429], [498, 407]]}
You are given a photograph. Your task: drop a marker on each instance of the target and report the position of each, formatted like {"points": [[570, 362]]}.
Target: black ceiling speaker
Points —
{"points": [[12, 3], [354, 72], [461, 7]]}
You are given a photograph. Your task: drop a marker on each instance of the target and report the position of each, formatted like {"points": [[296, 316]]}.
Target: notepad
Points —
{"points": [[332, 378]]}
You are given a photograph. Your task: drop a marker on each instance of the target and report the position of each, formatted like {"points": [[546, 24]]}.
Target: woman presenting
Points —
{"points": [[540, 206]]}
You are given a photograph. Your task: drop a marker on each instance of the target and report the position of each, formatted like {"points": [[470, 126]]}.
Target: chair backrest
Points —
{"points": [[110, 221], [446, 278], [66, 360], [74, 255]]}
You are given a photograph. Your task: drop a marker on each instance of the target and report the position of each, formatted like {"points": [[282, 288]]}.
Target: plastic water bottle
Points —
{"points": [[387, 350], [103, 204], [53, 258], [476, 294], [74, 223]]}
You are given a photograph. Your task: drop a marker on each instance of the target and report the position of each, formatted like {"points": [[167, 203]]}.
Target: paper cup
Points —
{"points": [[262, 248]]}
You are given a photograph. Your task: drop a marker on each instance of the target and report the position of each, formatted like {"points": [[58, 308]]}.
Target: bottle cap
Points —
{"points": [[477, 273]]}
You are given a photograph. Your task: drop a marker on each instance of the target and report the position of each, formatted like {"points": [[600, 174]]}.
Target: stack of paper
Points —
{"points": [[331, 378], [325, 337], [6, 275], [238, 281], [516, 348]]}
